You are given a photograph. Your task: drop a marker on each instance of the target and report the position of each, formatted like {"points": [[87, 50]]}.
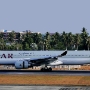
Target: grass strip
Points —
{"points": [[44, 80]]}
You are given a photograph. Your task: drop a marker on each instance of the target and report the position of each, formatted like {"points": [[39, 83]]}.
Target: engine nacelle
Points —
{"points": [[21, 65]]}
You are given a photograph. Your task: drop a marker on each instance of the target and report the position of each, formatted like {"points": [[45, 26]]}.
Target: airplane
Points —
{"points": [[28, 59]]}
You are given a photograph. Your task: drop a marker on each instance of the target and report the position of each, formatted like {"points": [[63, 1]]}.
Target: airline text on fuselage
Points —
{"points": [[7, 56]]}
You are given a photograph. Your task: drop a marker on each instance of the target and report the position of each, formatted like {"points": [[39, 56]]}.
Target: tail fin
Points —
{"points": [[63, 54]]}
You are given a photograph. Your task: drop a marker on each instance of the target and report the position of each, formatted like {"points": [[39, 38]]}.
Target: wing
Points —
{"points": [[63, 54], [46, 59]]}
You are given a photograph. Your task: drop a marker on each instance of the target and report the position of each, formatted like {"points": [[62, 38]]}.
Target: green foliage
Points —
{"points": [[55, 41]]}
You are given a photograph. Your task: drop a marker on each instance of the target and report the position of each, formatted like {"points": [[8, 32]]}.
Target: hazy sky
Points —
{"points": [[45, 15]]}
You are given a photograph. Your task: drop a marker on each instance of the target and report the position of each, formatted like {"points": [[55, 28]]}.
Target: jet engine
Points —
{"points": [[22, 64]]}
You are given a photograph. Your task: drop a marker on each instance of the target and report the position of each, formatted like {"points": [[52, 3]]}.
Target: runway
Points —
{"points": [[54, 72]]}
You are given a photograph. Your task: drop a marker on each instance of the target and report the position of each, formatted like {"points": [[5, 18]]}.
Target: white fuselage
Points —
{"points": [[72, 57]]}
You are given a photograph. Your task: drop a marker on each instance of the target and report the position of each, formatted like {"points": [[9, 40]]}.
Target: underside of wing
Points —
{"points": [[46, 60]]}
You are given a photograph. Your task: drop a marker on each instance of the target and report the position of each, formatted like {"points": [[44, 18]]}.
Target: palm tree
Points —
{"points": [[12, 36], [46, 41], [19, 38], [70, 40], [1, 35], [2, 41], [77, 40], [52, 42], [88, 42], [65, 39], [84, 36], [57, 39]]}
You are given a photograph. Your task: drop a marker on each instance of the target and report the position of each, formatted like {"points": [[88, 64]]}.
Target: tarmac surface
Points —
{"points": [[43, 88], [54, 72]]}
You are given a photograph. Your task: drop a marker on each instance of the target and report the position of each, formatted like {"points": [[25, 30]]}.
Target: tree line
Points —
{"points": [[56, 41]]}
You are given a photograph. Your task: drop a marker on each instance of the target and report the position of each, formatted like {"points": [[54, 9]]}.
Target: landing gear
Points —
{"points": [[46, 69]]}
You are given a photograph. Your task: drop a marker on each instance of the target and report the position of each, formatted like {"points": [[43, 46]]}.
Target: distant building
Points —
{"points": [[17, 34]]}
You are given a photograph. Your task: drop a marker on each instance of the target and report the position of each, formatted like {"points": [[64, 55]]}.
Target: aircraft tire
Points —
{"points": [[50, 69], [42, 69], [46, 69]]}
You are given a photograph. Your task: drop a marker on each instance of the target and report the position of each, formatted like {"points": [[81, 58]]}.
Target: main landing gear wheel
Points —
{"points": [[46, 69]]}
